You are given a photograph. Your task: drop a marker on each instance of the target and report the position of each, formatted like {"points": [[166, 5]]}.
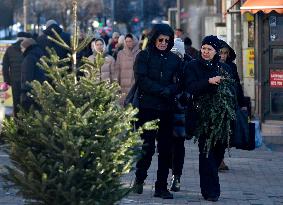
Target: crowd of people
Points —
{"points": [[168, 71]]}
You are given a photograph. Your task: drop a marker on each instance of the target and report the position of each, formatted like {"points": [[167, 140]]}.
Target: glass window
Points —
{"points": [[276, 55], [276, 102], [276, 28]]}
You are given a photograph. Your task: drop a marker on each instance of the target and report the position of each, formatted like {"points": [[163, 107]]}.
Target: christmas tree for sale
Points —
{"points": [[77, 143]]}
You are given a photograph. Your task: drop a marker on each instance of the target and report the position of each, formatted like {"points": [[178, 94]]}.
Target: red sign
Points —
{"points": [[276, 79]]}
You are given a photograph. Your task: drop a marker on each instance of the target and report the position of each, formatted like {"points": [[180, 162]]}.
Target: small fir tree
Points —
{"points": [[75, 148]]}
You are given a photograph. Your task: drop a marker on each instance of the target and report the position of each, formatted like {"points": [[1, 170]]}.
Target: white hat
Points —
{"points": [[178, 47], [50, 22]]}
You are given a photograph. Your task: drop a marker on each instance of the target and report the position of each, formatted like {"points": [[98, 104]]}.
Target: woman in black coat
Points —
{"points": [[29, 70], [155, 72], [228, 55], [202, 77]]}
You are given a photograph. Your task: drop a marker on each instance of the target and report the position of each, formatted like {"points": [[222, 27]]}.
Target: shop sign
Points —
{"points": [[276, 79]]}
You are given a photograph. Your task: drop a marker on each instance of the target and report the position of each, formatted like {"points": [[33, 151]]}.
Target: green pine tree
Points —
{"points": [[216, 113], [77, 146]]}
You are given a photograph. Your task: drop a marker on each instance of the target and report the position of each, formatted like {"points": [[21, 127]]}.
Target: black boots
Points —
{"points": [[175, 183], [163, 193]]}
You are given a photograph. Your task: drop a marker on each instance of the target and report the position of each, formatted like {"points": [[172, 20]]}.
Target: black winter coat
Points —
{"points": [[234, 72], [155, 75], [198, 72], [30, 72], [156, 71], [44, 42], [12, 61]]}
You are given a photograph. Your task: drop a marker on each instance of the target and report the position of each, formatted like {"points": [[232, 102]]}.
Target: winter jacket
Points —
{"points": [[12, 61], [230, 62], [198, 72], [44, 42], [196, 77], [155, 72], [30, 72], [107, 71], [124, 66]]}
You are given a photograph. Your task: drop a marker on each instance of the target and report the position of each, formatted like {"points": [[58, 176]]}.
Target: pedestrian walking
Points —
{"points": [[30, 70], [189, 49], [44, 42], [119, 46], [12, 62], [179, 131], [179, 33], [203, 77], [125, 62], [155, 72], [107, 70], [228, 55], [112, 43]]}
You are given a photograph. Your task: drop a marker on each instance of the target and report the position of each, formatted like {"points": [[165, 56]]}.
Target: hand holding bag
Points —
{"points": [[243, 136]]}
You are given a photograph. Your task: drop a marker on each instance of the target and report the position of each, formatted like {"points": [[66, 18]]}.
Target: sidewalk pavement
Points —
{"points": [[255, 178]]}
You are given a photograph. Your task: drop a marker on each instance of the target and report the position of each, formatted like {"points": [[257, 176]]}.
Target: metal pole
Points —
{"points": [[178, 23], [113, 10], [25, 14]]}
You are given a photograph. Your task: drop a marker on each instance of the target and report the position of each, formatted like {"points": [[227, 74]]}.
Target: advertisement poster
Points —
{"points": [[276, 78], [5, 97], [250, 62]]}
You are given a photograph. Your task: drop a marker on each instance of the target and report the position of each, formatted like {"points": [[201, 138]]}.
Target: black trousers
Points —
{"points": [[208, 169], [178, 155], [164, 144]]}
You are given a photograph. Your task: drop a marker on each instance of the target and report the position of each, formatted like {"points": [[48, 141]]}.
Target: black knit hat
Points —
{"points": [[212, 41], [24, 35]]}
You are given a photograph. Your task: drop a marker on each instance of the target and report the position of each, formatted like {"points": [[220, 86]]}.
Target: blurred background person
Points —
{"points": [[119, 46], [30, 70], [191, 51], [107, 71], [112, 43], [125, 62], [44, 42], [11, 69]]}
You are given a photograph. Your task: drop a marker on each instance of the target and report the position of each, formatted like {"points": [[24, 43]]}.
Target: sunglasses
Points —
{"points": [[160, 40]]}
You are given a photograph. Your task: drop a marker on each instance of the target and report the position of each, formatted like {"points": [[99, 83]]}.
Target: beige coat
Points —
{"points": [[124, 67], [107, 69]]}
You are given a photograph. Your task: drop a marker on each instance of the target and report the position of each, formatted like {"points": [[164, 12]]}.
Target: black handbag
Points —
{"points": [[243, 136], [133, 96], [192, 115]]}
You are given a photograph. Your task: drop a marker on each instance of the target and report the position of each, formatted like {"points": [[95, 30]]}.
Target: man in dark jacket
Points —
{"points": [[12, 61], [155, 70], [44, 42], [30, 71]]}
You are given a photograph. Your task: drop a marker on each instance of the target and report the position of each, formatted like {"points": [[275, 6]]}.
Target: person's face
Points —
{"points": [[97, 46], [224, 53], [161, 42], [129, 43], [207, 52], [115, 39], [178, 34]]}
